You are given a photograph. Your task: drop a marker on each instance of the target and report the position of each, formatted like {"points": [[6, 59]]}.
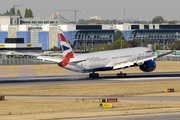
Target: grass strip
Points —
{"points": [[146, 88], [50, 109]]}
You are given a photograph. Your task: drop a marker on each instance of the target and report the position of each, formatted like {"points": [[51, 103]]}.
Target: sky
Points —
{"points": [[105, 9]]}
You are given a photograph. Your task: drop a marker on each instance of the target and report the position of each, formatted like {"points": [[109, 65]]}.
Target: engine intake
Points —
{"points": [[148, 66]]}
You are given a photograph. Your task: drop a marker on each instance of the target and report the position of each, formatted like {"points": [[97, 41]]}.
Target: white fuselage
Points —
{"points": [[105, 60]]}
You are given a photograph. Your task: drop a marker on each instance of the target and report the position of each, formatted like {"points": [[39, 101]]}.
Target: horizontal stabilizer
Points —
{"points": [[39, 56], [47, 58], [75, 62]]}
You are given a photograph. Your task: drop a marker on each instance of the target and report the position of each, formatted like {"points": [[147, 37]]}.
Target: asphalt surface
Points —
{"points": [[161, 116], [83, 79], [162, 99]]}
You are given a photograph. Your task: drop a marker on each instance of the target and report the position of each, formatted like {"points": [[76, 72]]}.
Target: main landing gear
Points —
{"points": [[121, 75], [93, 75]]}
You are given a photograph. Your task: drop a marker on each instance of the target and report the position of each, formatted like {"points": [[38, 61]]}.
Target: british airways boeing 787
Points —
{"points": [[101, 61]]}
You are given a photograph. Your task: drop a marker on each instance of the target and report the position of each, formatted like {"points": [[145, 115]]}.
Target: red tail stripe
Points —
{"points": [[62, 38], [65, 62], [67, 59], [69, 55]]}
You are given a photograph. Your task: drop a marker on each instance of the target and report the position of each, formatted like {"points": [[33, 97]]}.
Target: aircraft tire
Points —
{"points": [[95, 75], [121, 75]]}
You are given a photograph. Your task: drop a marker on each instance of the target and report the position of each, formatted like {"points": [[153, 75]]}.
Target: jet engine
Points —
{"points": [[148, 66]]}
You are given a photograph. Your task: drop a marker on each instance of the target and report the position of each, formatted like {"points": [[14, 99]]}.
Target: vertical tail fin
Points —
{"points": [[66, 47]]}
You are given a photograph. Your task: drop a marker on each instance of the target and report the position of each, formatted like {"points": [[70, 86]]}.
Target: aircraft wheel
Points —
{"points": [[95, 75], [120, 75], [90, 75], [124, 75]]}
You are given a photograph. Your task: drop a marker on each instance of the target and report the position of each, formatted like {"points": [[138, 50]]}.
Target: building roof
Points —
{"points": [[9, 15]]}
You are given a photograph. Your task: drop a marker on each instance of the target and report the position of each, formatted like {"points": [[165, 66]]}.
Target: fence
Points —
{"points": [[21, 61], [4, 60], [169, 58]]}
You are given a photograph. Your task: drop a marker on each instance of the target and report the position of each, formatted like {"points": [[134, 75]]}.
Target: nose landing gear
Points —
{"points": [[121, 75]]}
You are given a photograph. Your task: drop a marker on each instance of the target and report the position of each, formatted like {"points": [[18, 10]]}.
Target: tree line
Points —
{"points": [[28, 13], [156, 20]]}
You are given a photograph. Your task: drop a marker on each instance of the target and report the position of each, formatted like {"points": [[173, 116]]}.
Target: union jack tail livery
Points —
{"points": [[66, 47]]}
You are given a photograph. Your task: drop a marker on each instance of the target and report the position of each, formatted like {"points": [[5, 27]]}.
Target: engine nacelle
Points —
{"points": [[148, 66]]}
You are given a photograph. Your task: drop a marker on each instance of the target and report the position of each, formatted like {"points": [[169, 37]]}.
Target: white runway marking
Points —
{"points": [[142, 79]]}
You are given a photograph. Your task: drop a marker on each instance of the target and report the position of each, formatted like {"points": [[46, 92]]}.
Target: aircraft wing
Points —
{"points": [[131, 62], [123, 64], [32, 54], [17, 53], [48, 58], [38, 56], [161, 55], [138, 61], [45, 58]]}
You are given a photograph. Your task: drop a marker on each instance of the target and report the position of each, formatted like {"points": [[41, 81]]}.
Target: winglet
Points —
{"points": [[161, 55]]}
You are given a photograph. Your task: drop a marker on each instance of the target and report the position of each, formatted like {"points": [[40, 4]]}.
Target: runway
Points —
{"points": [[84, 79]]}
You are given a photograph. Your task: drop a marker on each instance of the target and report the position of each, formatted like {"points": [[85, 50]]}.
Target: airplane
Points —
{"points": [[101, 61]]}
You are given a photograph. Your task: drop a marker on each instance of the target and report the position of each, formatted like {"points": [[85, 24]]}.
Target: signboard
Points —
{"points": [[57, 56], [28, 45], [111, 100], [17, 56], [168, 90], [105, 105], [14, 40], [2, 98], [103, 100], [2, 45]]}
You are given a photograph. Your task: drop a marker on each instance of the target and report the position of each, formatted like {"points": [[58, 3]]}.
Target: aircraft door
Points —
{"points": [[85, 64]]}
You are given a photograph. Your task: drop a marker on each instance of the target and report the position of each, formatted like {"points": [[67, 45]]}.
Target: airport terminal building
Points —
{"points": [[159, 33], [45, 32]]}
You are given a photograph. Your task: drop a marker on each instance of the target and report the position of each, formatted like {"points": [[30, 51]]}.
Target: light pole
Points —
{"points": [[47, 42], [84, 42], [42, 42], [121, 42], [92, 42]]}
